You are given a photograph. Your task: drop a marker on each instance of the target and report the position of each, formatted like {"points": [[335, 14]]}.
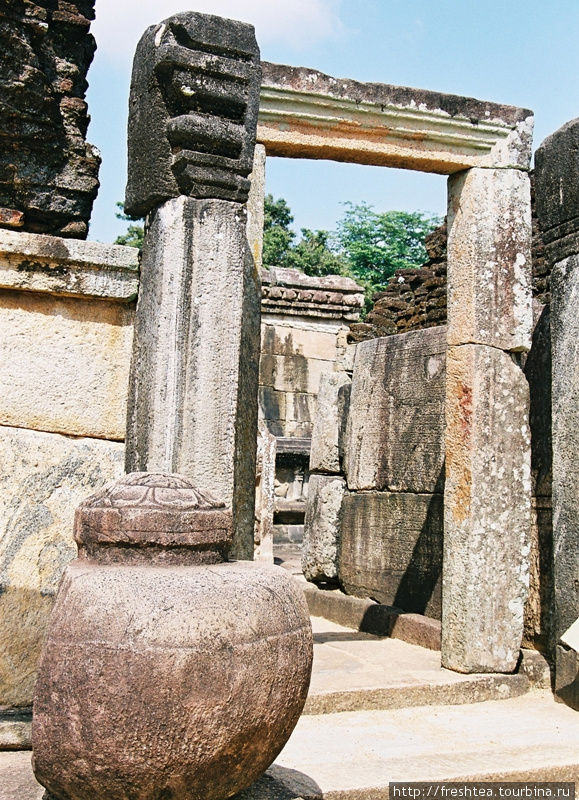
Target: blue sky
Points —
{"points": [[519, 52]]}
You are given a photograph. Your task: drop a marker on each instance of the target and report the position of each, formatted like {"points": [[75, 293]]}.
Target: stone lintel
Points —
{"points": [[40, 263], [306, 114], [487, 508], [489, 259]]}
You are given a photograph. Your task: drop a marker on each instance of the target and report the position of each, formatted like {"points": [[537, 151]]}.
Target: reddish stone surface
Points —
{"points": [[159, 681]]}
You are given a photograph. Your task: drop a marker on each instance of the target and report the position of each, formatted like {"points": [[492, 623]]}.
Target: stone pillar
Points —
{"points": [[255, 206], [557, 194], [197, 323], [488, 486], [264, 494], [194, 373], [326, 488]]}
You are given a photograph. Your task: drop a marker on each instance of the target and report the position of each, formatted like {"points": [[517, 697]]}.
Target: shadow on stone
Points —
{"points": [[419, 590], [342, 636], [280, 783]]}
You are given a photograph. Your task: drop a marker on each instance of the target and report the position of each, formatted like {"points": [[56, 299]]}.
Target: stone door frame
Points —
{"points": [[485, 149]]}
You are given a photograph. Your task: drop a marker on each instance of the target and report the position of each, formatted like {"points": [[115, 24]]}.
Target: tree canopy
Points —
{"points": [[367, 245]]}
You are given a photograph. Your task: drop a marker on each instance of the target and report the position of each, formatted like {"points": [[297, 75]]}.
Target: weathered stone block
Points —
{"points": [[290, 340], [391, 549], [193, 387], [292, 373], [322, 527], [64, 363], [565, 342], [537, 369], [487, 505], [264, 494], [330, 420], [43, 477], [557, 191], [300, 407], [489, 259], [68, 267], [540, 605], [567, 676], [395, 434], [539, 623]]}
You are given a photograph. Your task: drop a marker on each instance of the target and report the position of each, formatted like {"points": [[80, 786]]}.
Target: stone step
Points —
{"points": [[356, 671], [354, 755]]}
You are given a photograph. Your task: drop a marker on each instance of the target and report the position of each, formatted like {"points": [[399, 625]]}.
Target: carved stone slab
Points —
{"points": [[391, 549], [192, 111], [152, 508], [395, 429], [557, 191]]}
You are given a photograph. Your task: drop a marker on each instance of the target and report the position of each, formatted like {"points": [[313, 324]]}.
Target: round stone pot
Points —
{"points": [[167, 672]]}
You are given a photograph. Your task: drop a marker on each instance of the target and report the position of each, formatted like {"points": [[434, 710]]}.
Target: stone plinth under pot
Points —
{"points": [[167, 671]]}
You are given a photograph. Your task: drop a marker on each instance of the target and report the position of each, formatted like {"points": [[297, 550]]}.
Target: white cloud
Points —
{"points": [[301, 23]]}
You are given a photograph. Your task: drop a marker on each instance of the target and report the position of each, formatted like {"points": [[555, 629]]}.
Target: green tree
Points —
{"points": [[376, 244], [314, 256], [135, 233], [277, 236]]}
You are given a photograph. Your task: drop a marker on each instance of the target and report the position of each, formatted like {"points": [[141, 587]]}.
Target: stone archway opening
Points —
{"points": [[485, 150]]}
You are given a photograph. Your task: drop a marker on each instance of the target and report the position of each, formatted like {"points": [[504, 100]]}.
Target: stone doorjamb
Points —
{"points": [[486, 149]]}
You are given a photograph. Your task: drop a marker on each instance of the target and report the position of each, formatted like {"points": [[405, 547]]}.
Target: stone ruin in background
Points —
{"points": [[48, 171]]}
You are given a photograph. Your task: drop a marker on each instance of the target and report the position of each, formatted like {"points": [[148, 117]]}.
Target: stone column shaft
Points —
{"points": [[487, 443], [193, 386], [255, 206], [557, 197], [565, 341]]}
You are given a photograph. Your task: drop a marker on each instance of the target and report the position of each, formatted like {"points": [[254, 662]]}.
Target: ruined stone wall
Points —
{"points": [[374, 522], [413, 299], [416, 298], [48, 171], [304, 327]]}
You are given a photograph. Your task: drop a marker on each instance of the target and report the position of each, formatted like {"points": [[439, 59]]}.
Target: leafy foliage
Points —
{"points": [[314, 256], [367, 245], [135, 233], [376, 244], [277, 236]]}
